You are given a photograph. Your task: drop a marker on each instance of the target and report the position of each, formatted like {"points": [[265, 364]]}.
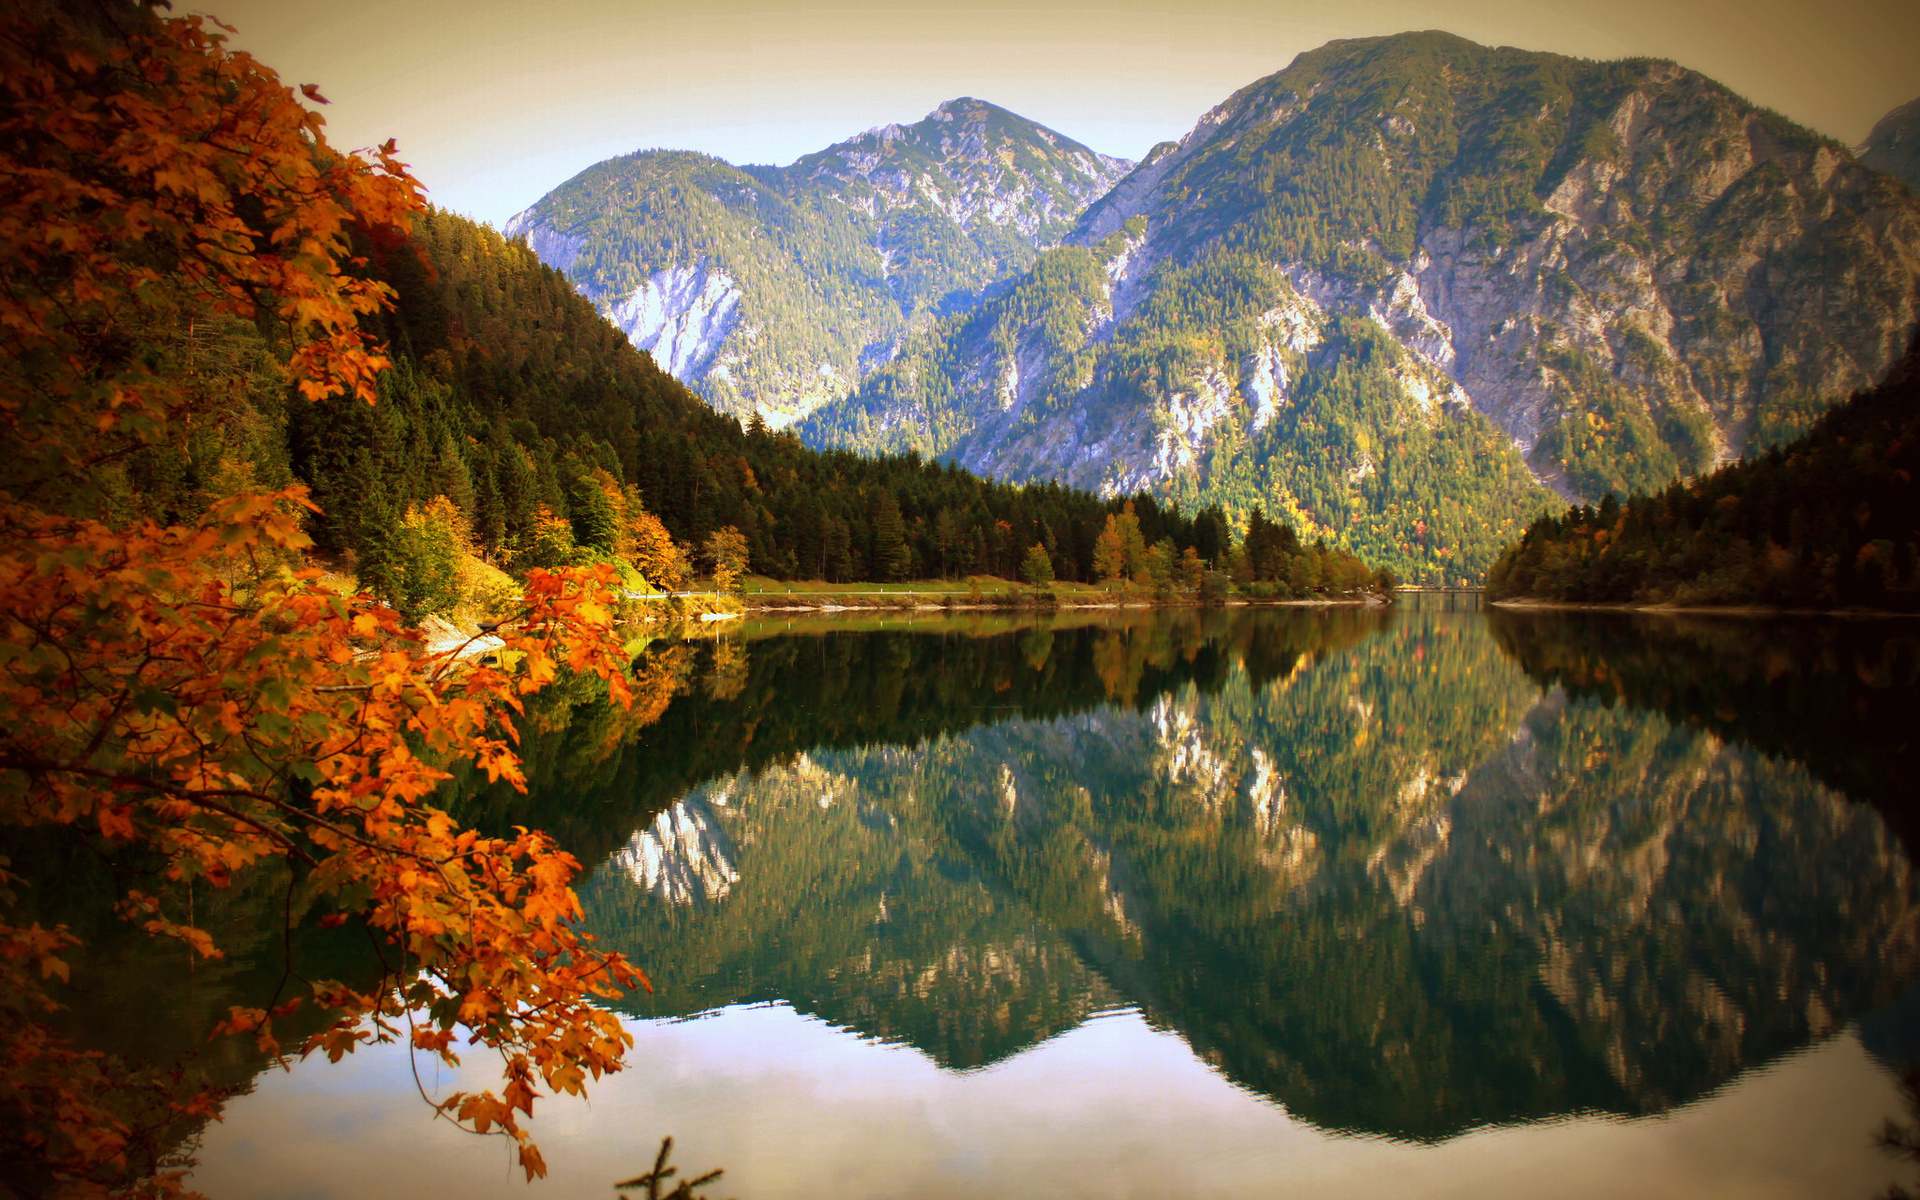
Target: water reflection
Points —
{"points": [[1836, 696], [1404, 874], [1386, 880]]}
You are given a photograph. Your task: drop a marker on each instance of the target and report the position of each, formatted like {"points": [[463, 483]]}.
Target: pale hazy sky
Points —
{"points": [[495, 102]]}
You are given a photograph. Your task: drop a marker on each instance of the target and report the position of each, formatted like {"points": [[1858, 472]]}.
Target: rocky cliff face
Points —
{"points": [[774, 289], [1612, 273], [681, 316], [1545, 223], [1894, 144]]}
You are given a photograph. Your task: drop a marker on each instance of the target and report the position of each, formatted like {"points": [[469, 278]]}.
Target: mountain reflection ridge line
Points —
{"points": [[1374, 870], [1297, 903]]}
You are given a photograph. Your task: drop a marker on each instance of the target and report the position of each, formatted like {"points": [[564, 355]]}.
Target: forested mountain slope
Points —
{"points": [[776, 288], [1830, 520], [514, 399], [1379, 290]]}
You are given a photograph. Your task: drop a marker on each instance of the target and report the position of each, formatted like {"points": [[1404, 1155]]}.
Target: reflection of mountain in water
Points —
{"points": [[596, 773], [1389, 884], [683, 856], [842, 910], [1835, 695]]}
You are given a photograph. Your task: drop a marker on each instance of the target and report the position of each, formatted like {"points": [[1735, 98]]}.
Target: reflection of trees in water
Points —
{"points": [[1357, 860], [151, 1004], [1386, 883], [1837, 696], [708, 709], [598, 772]]}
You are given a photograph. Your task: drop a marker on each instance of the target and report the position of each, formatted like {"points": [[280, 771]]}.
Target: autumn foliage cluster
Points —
{"points": [[180, 696]]}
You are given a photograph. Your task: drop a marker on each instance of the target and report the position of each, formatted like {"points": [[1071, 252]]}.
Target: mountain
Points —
{"points": [[1829, 520], [1386, 290], [511, 395], [776, 288], [1894, 144]]}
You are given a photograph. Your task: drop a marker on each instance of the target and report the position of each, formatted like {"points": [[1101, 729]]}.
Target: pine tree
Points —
{"points": [[892, 559]]}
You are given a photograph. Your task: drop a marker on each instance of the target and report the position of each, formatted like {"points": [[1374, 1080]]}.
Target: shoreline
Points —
{"points": [[1527, 604], [1032, 604]]}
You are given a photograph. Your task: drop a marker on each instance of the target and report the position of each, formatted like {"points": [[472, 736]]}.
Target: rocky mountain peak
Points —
{"points": [[959, 108], [962, 136], [774, 288], [1405, 250]]}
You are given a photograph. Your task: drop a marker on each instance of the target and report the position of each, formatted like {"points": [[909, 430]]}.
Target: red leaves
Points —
{"points": [[140, 179], [169, 688], [168, 713]]}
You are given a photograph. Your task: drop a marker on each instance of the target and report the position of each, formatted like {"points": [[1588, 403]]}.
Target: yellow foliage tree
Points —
{"points": [[726, 553], [655, 553]]}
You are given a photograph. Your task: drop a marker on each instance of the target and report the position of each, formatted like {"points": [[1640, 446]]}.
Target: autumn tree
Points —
{"points": [[1133, 545], [726, 554], [177, 687], [1037, 568], [1158, 564], [429, 544], [1109, 553], [553, 543], [655, 554]]}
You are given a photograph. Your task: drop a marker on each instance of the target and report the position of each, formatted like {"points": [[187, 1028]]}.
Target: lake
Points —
{"points": [[1428, 902]]}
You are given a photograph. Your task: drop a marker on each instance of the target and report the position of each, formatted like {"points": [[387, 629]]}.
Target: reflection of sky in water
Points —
{"points": [[1387, 877], [792, 1107]]}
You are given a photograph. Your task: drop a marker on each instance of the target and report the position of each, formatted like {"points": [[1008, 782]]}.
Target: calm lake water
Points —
{"points": [[1436, 902]]}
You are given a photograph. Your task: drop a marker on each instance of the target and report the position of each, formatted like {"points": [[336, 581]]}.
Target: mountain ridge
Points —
{"points": [[1622, 271], [774, 289]]}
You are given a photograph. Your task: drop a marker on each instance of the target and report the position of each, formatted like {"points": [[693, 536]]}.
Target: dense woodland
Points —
{"points": [[1830, 520], [554, 442]]}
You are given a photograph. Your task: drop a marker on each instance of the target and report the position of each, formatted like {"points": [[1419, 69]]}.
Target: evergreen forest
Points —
{"points": [[1829, 520], [520, 428]]}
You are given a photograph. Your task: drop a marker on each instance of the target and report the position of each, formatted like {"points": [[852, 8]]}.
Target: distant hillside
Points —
{"points": [[548, 433], [511, 395], [1386, 290], [1830, 520], [1894, 144], [776, 289]]}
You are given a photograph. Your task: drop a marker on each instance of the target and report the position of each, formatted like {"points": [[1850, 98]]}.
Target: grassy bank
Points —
{"points": [[760, 594]]}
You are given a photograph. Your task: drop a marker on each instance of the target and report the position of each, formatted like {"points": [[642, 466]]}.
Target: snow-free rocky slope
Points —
{"points": [[1894, 144], [776, 289], [1394, 289]]}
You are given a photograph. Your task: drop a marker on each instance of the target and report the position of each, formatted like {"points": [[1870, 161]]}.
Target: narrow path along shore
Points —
{"points": [[803, 603]]}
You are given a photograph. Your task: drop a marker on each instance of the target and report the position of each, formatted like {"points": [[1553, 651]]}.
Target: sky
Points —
{"points": [[495, 102]]}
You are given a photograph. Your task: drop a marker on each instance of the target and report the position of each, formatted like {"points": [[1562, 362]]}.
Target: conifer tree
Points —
{"points": [[892, 558]]}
